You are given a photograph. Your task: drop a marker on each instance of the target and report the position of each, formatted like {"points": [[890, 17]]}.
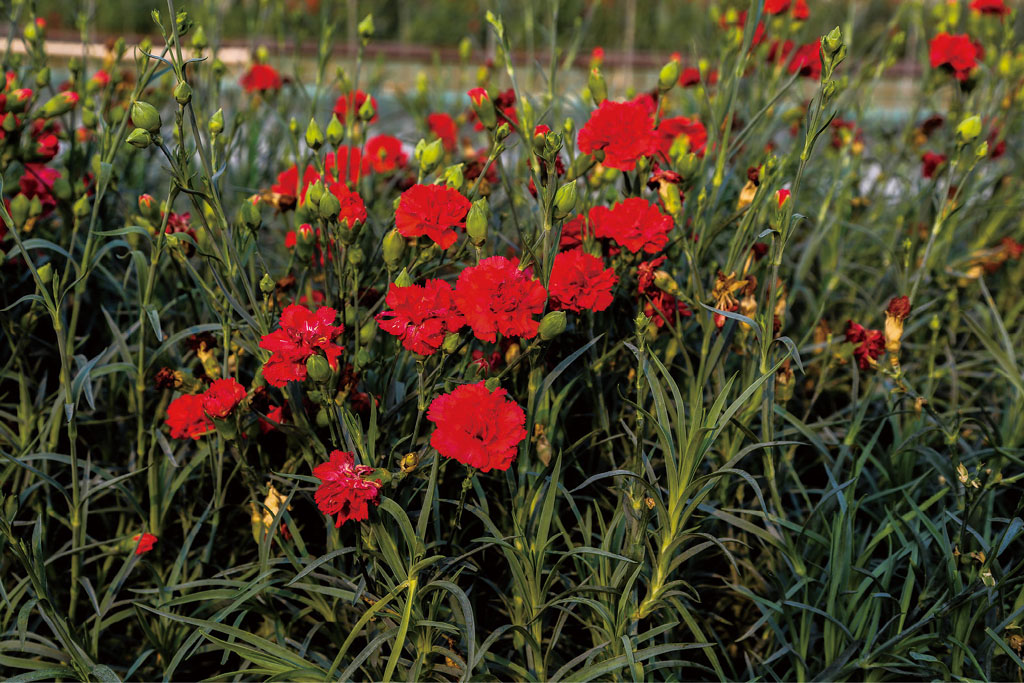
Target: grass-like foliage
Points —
{"points": [[491, 375]]}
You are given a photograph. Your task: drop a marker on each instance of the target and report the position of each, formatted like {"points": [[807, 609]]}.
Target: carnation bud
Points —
{"points": [[429, 155], [484, 107], [148, 207], [329, 206], [140, 138], [465, 48], [969, 129], [551, 325], [267, 285], [366, 28], [59, 104], [366, 110], [250, 215], [43, 77], [451, 342], [45, 272], [335, 131], [502, 131], [314, 193], [355, 256], [476, 222], [314, 137], [668, 76], [982, 151], [565, 200], [81, 207], [318, 369], [19, 209], [492, 383], [216, 124], [62, 189], [408, 464], [598, 87], [35, 207], [145, 116], [182, 93], [305, 240], [199, 41], [833, 41], [403, 279], [453, 176], [366, 333], [10, 123], [18, 100], [393, 248]]}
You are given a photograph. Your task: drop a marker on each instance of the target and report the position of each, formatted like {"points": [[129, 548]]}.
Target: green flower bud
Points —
{"points": [[81, 207], [833, 41], [322, 418], [565, 200], [314, 137], [145, 116], [451, 342], [476, 222], [89, 119], [366, 110], [140, 138], [367, 331], [19, 209], [59, 104], [329, 206], [969, 129], [598, 87], [62, 189], [356, 256], [465, 49], [250, 214], [551, 325], [35, 207], [10, 124], [503, 131], [393, 248], [199, 41], [492, 383], [314, 193], [453, 177], [366, 28], [403, 279], [267, 285], [182, 93], [318, 369], [335, 131], [430, 155], [43, 77], [668, 76], [45, 272], [982, 151]]}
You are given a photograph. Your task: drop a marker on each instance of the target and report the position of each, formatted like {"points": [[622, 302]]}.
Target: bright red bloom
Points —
{"points": [[659, 305], [222, 397], [301, 335], [353, 210], [37, 181], [496, 297], [145, 542], [478, 96], [806, 61], [342, 105], [623, 130], [692, 129], [347, 164], [870, 344], [344, 491], [443, 126], [384, 154], [782, 196], [477, 427], [421, 316], [261, 78], [579, 281], [930, 162], [574, 231], [288, 182], [775, 6], [801, 11], [957, 53], [432, 210], [996, 7], [275, 417], [597, 56], [633, 223], [101, 78], [186, 417], [690, 76]]}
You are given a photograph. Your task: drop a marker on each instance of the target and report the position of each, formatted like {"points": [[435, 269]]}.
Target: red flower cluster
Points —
{"points": [[623, 130], [443, 126], [690, 77], [261, 78], [187, 419], [344, 491], [384, 154], [432, 210], [579, 281], [957, 53], [302, 334], [775, 7], [496, 297], [930, 162], [477, 427], [870, 344], [660, 306], [222, 397], [421, 316], [145, 542], [996, 7], [574, 232], [680, 126], [633, 223], [354, 102]]}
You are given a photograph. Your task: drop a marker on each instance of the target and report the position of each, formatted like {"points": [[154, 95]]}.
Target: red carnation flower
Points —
{"points": [[354, 102], [930, 162], [775, 6], [434, 211], [421, 316], [579, 281], [443, 126], [384, 154], [222, 397], [623, 130], [659, 305], [574, 231], [497, 298], [145, 542], [870, 344], [343, 490], [288, 182], [261, 78], [353, 210], [782, 196], [801, 11], [346, 165], [187, 419], [692, 129], [477, 427], [633, 223], [806, 61], [996, 7], [302, 333], [957, 53]]}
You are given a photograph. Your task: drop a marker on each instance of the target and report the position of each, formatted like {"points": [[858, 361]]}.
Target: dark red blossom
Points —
{"points": [[633, 223], [222, 397], [574, 231], [187, 419], [956, 53], [302, 334], [659, 305], [344, 490], [421, 315], [261, 78], [579, 281], [624, 131], [996, 7], [477, 427], [144, 542], [434, 211], [496, 297], [930, 162], [870, 344], [806, 61]]}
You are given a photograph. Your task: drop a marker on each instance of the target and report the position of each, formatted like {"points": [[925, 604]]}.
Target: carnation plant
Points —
{"points": [[510, 370]]}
